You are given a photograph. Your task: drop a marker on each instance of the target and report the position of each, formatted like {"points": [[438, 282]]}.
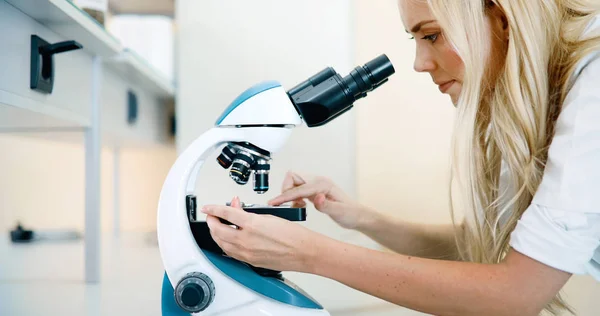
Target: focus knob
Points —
{"points": [[195, 292]]}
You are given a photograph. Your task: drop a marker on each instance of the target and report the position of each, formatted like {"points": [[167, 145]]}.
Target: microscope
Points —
{"points": [[199, 277]]}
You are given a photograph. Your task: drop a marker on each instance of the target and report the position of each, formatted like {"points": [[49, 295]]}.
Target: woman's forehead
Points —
{"points": [[414, 12]]}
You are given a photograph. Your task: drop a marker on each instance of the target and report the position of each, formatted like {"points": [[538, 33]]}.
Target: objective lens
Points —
{"points": [[261, 176], [241, 167], [225, 159]]}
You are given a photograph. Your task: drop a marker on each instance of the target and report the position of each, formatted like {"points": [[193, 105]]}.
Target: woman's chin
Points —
{"points": [[454, 93], [454, 99]]}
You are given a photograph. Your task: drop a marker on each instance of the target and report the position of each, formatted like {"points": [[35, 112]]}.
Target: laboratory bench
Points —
{"points": [[64, 76]]}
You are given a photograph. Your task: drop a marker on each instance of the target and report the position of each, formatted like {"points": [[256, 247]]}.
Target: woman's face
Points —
{"points": [[436, 55]]}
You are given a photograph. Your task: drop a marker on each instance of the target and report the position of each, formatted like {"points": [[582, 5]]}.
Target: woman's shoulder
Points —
{"points": [[562, 226], [572, 174], [586, 75], [586, 80], [592, 30]]}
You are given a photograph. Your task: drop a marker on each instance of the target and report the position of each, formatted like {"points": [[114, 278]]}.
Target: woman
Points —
{"points": [[525, 78]]}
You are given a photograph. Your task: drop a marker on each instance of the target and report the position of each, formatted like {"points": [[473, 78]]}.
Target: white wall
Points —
{"points": [[403, 131]]}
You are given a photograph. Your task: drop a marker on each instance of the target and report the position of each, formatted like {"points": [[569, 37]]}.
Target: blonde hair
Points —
{"points": [[512, 120]]}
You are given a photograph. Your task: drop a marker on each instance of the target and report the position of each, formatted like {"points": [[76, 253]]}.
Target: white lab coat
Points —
{"points": [[561, 228]]}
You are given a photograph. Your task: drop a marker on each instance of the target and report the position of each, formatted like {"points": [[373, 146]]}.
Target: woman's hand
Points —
{"points": [[263, 241], [325, 195]]}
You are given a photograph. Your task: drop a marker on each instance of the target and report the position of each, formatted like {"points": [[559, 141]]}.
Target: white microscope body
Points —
{"points": [[201, 281]]}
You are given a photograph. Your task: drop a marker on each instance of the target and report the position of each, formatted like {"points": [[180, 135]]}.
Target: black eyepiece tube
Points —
{"points": [[314, 80], [379, 69], [327, 95]]}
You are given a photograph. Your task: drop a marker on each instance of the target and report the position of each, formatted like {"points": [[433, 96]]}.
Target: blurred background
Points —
{"points": [[390, 152]]}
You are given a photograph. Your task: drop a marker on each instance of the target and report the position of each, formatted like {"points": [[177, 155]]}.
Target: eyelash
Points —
{"points": [[432, 37]]}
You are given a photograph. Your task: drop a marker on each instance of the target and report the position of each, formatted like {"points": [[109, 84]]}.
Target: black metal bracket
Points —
{"points": [[132, 107], [42, 61]]}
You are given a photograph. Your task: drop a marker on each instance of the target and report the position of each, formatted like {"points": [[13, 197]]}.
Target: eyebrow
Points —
{"points": [[419, 25]]}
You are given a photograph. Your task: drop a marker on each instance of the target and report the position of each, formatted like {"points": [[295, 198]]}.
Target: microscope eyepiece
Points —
{"points": [[379, 70], [327, 95]]}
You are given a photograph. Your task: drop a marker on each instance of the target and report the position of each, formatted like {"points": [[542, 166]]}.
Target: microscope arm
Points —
{"points": [[176, 242], [175, 239], [179, 251]]}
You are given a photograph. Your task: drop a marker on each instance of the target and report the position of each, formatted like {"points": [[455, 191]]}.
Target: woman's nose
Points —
{"points": [[424, 62]]}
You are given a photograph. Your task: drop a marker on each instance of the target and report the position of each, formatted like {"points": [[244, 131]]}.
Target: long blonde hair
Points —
{"points": [[512, 121]]}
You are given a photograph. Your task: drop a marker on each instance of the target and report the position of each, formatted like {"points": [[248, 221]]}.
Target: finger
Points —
{"points": [[320, 201], [233, 215], [235, 203], [221, 231], [300, 192], [325, 205], [299, 203], [291, 180], [227, 247]]}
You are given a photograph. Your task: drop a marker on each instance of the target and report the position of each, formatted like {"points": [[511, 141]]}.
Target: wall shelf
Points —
{"points": [[20, 113], [66, 19], [153, 7], [133, 68]]}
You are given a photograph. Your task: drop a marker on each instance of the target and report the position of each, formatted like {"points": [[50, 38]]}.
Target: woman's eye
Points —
{"points": [[432, 37]]}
